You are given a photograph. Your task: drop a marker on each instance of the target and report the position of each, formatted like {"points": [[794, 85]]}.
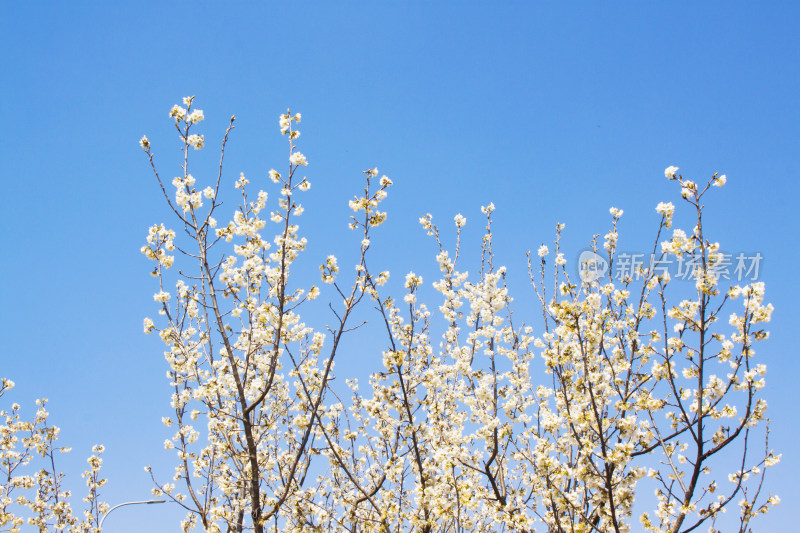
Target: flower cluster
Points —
{"points": [[285, 123]]}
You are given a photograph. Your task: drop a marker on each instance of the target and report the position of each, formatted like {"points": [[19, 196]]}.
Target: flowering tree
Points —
{"points": [[32, 490], [238, 353], [628, 386]]}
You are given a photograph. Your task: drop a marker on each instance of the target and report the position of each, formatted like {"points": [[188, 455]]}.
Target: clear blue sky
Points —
{"points": [[554, 113]]}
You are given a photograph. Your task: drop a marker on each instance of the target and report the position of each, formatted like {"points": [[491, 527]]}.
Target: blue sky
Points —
{"points": [[553, 113]]}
